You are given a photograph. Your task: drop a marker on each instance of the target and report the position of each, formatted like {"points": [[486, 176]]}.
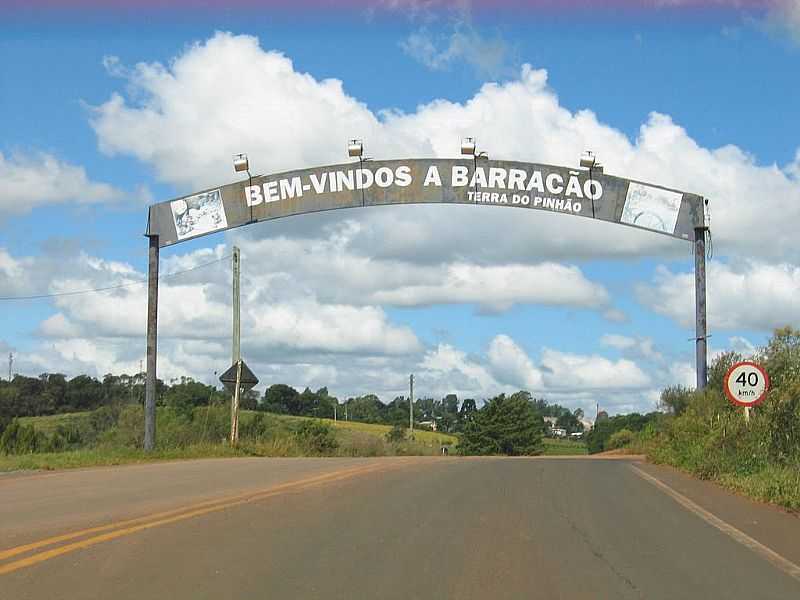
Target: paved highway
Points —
{"points": [[389, 528]]}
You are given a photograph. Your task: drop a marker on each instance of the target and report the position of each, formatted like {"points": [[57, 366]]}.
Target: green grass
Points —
{"points": [[97, 457], [49, 423], [204, 438], [354, 439], [776, 484], [556, 447]]}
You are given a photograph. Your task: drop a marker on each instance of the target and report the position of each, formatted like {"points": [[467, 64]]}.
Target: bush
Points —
{"points": [[257, 429], [396, 434], [620, 439], [22, 439], [710, 438], [317, 437]]}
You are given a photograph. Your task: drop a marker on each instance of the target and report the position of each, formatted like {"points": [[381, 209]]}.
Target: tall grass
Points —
{"points": [[113, 435]]}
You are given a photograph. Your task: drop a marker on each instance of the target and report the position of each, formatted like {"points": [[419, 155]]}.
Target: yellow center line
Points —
{"points": [[130, 526]]}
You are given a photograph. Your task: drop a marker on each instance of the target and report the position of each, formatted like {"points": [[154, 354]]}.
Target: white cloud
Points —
{"points": [[783, 17], [572, 380], [620, 342], [642, 347], [499, 287], [488, 57], [27, 182], [750, 295], [309, 120], [566, 371], [742, 345], [464, 375], [512, 365], [194, 310]]}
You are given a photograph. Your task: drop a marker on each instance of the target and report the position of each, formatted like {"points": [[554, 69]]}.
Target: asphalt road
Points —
{"points": [[389, 528]]}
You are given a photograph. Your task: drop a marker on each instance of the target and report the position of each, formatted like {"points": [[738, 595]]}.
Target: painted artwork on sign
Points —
{"points": [[199, 214], [651, 208]]}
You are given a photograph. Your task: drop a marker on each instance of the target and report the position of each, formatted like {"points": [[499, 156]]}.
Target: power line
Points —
{"points": [[112, 287]]}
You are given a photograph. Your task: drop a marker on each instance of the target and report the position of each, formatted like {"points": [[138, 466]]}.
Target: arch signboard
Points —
{"points": [[425, 181], [481, 182]]}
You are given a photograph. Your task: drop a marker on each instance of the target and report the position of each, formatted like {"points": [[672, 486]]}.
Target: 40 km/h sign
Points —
{"points": [[746, 384]]}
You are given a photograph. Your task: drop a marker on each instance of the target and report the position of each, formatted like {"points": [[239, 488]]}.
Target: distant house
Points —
{"points": [[558, 432], [429, 424]]}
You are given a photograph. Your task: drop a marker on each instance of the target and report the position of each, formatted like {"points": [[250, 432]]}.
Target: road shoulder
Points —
{"points": [[770, 525]]}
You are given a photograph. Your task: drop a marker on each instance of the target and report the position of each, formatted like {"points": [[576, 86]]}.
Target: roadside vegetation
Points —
{"points": [[507, 425], [113, 435], [54, 422], [704, 434]]}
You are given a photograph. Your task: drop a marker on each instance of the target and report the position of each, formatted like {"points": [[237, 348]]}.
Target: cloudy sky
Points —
{"points": [[106, 108]]}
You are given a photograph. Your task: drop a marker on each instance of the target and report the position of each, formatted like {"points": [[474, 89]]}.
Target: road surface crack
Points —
{"points": [[599, 554]]}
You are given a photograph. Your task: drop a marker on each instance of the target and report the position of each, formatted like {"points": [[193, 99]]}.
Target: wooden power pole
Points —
{"points": [[411, 404]]}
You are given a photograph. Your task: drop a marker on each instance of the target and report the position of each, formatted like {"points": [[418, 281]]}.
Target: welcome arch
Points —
{"points": [[510, 184]]}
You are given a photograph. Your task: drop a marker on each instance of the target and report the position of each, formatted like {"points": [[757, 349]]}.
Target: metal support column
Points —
{"points": [[152, 345], [701, 334]]}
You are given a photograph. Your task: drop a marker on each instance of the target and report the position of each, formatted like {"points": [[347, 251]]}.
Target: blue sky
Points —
{"points": [[725, 78]]}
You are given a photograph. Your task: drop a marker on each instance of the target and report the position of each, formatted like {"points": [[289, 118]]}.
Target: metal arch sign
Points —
{"points": [[424, 181]]}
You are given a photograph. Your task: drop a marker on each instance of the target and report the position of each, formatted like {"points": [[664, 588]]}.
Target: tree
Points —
{"points": [[598, 439], [368, 409], [82, 393], [281, 398], [467, 411], [187, 395], [504, 425], [675, 399]]}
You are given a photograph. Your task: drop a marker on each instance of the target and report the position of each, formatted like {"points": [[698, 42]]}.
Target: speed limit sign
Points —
{"points": [[746, 383]]}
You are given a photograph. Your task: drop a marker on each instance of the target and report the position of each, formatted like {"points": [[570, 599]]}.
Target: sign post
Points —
{"points": [[240, 378], [746, 384]]}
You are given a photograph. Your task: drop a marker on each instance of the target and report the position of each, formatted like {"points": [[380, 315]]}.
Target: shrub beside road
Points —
{"points": [[704, 434], [109, 436]]}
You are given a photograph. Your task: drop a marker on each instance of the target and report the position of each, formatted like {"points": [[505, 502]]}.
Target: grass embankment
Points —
{"points": [[556, 447], [721, 447], [105, 438]]}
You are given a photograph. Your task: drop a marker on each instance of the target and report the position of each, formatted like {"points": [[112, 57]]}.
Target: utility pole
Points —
{"points": [[335, 404], [10, 365], [236, 350], [152, 344], [701, 335], [237, 330], [139, 381], [235, 405], [411, 404]]}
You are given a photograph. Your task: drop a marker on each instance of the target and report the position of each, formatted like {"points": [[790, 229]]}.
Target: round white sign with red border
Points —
{"points": [[746, 383]]}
